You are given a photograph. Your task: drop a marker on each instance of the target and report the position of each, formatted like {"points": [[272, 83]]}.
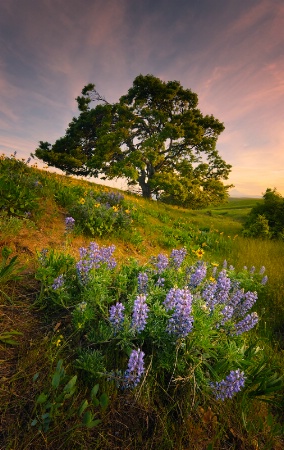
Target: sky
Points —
{"points": [[229, 52]]}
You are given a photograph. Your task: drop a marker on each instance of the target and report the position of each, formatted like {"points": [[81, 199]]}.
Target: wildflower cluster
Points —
{"points": [[228, 387], [181, 322], [142, 282], [69, 224], [177, 257], [140, 313], [234, 301], [198, 274], [116, 316], [93, 258], [58, 282], [167, 308], [135, 369], [161, 262], [100, 214]]}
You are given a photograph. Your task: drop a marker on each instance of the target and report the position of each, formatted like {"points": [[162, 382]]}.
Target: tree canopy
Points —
{"points": [[154, 136]]}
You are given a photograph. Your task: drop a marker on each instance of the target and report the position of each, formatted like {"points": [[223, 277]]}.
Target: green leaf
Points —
{"points": [[83, 406], [94, 423], [96, 401], [59, 365], [55, 380], [94, 391], [70, 385], [87, 418], [34, 422], [42, 398], [104, 400], [35, 377]]}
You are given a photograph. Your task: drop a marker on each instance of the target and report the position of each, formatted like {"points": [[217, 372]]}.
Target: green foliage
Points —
{"points": [[20, 192], [9, 225], [53, 264], [209, 351], [57, 403], [8, 337], [266, 219], [9, 267], [103, 214], [154, 136]]}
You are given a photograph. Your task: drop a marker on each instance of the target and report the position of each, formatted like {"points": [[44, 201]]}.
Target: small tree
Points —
{"points": [[266, 219], [154, 136]]}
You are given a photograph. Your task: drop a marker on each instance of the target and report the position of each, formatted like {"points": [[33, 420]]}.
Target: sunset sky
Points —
{"points": [[230, 52]]}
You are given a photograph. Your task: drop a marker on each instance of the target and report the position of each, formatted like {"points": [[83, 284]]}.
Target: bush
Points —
{"points": [[171, 324], [101, 214], [266, 219]]}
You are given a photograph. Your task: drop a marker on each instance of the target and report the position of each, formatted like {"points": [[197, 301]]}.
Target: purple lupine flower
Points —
{"points": [[92, 258], [170, 300], [69, 223], [142, 282], [135, 369], [248, 300], [214, 271], [116, 316], [42, 255], [252, 270], [198, 275], [264, 280], [208, 294], [227, 313], [246, 324], [180, 300], [58, 282], [223, 287], [236, 297], [228, 387], [140, 313], [160, 282], [161, 262], [261, 270], [177, 257], [225, 264], [231, 268]]}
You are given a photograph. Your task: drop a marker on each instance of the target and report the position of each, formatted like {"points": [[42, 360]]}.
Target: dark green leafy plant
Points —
{"points": [[57, 403]]}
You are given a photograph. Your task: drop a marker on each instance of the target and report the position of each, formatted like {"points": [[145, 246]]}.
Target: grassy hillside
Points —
{"points": [[64, 360]]}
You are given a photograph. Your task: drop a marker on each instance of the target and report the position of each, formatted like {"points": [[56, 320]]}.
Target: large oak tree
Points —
{"points": [[154, 136]]}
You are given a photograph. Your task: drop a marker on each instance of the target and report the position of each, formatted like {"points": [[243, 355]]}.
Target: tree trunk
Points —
{"points": [[146, 191]]}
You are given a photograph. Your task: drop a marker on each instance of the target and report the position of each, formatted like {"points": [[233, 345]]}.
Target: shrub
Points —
{"points": [[266, 219], [171, 323]]}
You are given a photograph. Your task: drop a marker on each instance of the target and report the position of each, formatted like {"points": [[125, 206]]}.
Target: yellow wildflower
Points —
{"points": [[127, 211], [58, 341], [97, 205], [115, 208], [199, 253], [82, 201]]}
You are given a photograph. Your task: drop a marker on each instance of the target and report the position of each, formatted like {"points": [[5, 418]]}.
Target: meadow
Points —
{"points": [[131, 324]]}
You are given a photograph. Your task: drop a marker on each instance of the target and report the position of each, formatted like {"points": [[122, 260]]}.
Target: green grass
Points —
{"points": [[37, 332]]}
